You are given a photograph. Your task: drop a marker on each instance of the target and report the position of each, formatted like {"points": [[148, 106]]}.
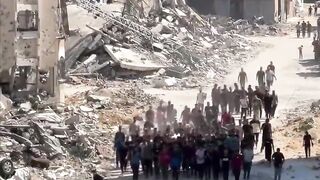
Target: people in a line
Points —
{"points": [[278, 160], [307, 143]]}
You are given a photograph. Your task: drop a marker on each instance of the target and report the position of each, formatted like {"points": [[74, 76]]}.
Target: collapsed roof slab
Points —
{"points": [[133, 60]]}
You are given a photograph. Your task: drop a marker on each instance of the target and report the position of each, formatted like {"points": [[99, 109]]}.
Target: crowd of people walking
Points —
{"points": [[210, 140]]}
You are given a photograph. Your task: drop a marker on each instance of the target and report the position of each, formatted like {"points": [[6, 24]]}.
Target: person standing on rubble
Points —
{"points": [[298, 29], [309, 29], [201, 97], [303, 28], [307, 142], [119, 142], [242, 78], [260, 76]]}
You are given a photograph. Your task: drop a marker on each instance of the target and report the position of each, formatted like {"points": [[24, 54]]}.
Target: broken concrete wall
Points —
{"points": [[222, 7], [265, 8], [7, 34]]}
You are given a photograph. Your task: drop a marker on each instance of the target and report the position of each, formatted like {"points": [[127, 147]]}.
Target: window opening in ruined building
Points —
{"points": [[27, 20]]}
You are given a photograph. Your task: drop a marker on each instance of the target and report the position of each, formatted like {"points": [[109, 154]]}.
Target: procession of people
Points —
{"points": [[209, 140]]}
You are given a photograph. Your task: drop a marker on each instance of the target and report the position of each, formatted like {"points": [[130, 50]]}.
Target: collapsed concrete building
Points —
{"points": [[31, 45], [271, 10]]}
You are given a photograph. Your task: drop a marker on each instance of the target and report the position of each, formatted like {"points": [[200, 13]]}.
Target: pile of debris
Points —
{"points": [[256, 26], [177, 40]]}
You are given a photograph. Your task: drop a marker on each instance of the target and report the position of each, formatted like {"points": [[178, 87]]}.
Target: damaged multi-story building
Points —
{"points": [[31, 45], [271, 10]]}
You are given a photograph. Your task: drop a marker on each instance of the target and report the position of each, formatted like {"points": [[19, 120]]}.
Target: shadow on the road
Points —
{"points": [[309, 62], [312, 68]]}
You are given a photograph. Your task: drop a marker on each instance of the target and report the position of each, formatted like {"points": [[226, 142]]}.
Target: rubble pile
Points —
{"points": [[177, 40], [71, 140], [256, 26]]}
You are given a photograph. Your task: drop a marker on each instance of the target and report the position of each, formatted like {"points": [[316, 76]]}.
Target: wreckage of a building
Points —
{"points": [[271, 10], [31, 45]]}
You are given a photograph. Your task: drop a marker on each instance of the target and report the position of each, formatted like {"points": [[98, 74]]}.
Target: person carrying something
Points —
{"points": [[242, 78]]}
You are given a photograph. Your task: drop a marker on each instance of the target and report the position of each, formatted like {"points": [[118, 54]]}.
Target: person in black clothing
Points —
{"points": [[266, 131], [268, 105], [303, 28], [309, 29], [209, 113], [250, 97], [119, 141], [157, 146], [225, 165], [268, 149], [260, 95], [224, 98], [307, 142], [310, 11], [215, 163], [278, 160], [237, 95], [315, 10]]}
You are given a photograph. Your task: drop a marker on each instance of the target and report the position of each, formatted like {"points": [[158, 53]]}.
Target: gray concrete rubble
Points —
{"points": [[177, 38]]}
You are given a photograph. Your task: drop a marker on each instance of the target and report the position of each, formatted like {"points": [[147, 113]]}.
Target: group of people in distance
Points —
{"points": [[206, 142]]}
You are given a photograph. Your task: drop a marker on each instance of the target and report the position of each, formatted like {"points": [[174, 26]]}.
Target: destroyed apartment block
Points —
{"points": [[31, 42]]}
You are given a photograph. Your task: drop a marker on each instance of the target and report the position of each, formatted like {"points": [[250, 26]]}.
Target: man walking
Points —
{"points": [[242, 78], [309, 29], [307, 142], [119, 141], [270, 76], [274, 103], [260, 76], [278, 160], [247, 162], [303, 28], [298, 28]]}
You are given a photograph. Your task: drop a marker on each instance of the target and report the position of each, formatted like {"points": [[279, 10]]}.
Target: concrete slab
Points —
{"points": [[133, 60]]}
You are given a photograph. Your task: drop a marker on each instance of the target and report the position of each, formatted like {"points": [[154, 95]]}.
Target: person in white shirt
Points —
{"points": [[270, 76], [256, 128], [200, 160], [201, 97], [244, 105]]}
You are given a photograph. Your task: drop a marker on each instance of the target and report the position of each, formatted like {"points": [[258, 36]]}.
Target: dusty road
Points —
{"points": [[297, 81]]}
